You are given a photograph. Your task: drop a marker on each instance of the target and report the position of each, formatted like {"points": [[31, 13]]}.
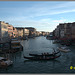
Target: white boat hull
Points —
{"points": [[64, 50], [5, 62]]}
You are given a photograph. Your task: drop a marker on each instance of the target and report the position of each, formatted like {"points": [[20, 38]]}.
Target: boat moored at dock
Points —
{"points": [[5, 62], [15, 45]]}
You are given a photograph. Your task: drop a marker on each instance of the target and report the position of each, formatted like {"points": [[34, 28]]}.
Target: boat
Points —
{"points": [[57, 41], [5, 62], [15, 45], [49, 37], [64, 49], [43, 57], [46, 54]]}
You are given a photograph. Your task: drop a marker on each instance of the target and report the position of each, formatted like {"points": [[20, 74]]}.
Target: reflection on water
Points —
{"points": [[39, 45], [42, 61]]}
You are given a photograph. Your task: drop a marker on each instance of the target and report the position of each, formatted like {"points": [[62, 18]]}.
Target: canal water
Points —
{"points": [[39, 45]]}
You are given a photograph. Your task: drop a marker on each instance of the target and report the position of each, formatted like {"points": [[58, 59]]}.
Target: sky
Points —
{"points": [[42, 15]]}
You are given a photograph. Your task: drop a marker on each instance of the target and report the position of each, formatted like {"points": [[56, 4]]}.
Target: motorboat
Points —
{"points": [[5, 62], [63, 49], [15, 45]]}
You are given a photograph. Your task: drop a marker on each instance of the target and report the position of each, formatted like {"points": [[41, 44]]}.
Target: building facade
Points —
{"points": [[25, 32], [20, 31], [15, 32], [73, 30], [68, 30], [3, 31], [10, 31], [65, 30], [32, 31]]}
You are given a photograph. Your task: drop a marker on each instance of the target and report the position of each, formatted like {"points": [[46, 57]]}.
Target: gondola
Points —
{"points": [[42, 58], [46, 54]]}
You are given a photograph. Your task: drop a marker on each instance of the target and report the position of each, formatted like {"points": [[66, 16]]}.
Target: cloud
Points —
{"points": [[58, 8], [27, 15], [59, 21], [40, 9], [45, 24]]}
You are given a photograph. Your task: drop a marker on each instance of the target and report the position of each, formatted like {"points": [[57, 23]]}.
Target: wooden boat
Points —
{"points": [[42, 58], [46, 54]]}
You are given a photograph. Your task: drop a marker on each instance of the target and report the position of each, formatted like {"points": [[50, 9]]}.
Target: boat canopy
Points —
{"points": [[15, 42], [1, 58]]}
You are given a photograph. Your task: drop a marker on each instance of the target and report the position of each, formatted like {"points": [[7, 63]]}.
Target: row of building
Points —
{"points": [[65, 31], [7, 32]]}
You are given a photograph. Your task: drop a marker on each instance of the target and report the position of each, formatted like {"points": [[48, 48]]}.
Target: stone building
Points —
{"points": [[61, 30], [25, 32], [43, 33], [37, 33], [57, 32], [10, 31], [73, 30], [15, 32], [68, 30], [65, 30], [32, 31], [3, 31], [20, 31]]}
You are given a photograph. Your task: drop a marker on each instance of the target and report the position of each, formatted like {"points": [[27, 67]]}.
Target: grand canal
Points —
{"points": [[39, 45]]}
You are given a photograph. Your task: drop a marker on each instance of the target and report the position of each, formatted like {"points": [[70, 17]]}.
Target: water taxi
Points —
{"points": [[15, 44], [5, 62], [63, 49]]}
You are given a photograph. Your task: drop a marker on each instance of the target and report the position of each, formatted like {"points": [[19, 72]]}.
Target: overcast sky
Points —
{"points": [[42, 15]]}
